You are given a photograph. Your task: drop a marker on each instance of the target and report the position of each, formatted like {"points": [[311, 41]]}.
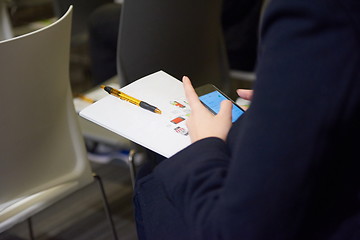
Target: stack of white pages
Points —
{"points": [[164, 133]]}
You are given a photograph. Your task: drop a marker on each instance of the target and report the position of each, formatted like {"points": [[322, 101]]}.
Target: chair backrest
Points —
{"points": [[41, 146], [5, 25], [182, 37]]}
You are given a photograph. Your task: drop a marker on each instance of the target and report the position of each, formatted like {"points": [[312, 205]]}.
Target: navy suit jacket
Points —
{"points": [[290, 168]]}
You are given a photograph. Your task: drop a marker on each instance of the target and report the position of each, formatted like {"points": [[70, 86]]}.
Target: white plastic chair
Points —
{"points": [[42, 152], [5, 25]]}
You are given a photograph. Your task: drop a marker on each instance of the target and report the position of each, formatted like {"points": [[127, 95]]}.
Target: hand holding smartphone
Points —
{"points": [[211, 97]]}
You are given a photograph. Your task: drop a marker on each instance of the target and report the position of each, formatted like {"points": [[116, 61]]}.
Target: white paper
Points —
{"points": [[164, 133]]}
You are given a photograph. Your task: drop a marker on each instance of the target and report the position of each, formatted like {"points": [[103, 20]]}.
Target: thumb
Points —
{"points": [[225, 109], [245, 93]]}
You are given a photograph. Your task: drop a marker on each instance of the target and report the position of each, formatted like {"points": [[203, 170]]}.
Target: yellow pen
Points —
{"points": [[130, 99], [86, 99]]}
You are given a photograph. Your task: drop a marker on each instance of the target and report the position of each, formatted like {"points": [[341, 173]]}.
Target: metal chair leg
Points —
{"points": [[132, 166], [30, 227], [106, 206]]}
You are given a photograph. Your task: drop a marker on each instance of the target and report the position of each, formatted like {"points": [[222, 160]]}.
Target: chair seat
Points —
{"points": [[20, 209], [242, 75]]}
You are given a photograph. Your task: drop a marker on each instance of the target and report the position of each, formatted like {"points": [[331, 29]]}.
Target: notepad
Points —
{"points": [[164, 133]]}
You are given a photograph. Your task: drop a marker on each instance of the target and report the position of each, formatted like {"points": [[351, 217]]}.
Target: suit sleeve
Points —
{"points": [[259, 183]]}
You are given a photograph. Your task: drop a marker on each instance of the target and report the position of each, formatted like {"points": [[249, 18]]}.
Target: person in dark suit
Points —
{"points": [[289, 167]]}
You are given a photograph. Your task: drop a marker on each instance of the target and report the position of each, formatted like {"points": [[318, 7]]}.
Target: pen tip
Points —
{"points": [[157, 111], [102, 86]]}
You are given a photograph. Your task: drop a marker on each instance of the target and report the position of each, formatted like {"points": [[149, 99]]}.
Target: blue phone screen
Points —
{"points": [[213, 100]]}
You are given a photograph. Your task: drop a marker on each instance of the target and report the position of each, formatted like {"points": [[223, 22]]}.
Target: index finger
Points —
{"points": [[190, 93]]}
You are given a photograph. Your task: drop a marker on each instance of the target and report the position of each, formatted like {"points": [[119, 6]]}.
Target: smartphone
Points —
{"points": [[211, 97]]}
